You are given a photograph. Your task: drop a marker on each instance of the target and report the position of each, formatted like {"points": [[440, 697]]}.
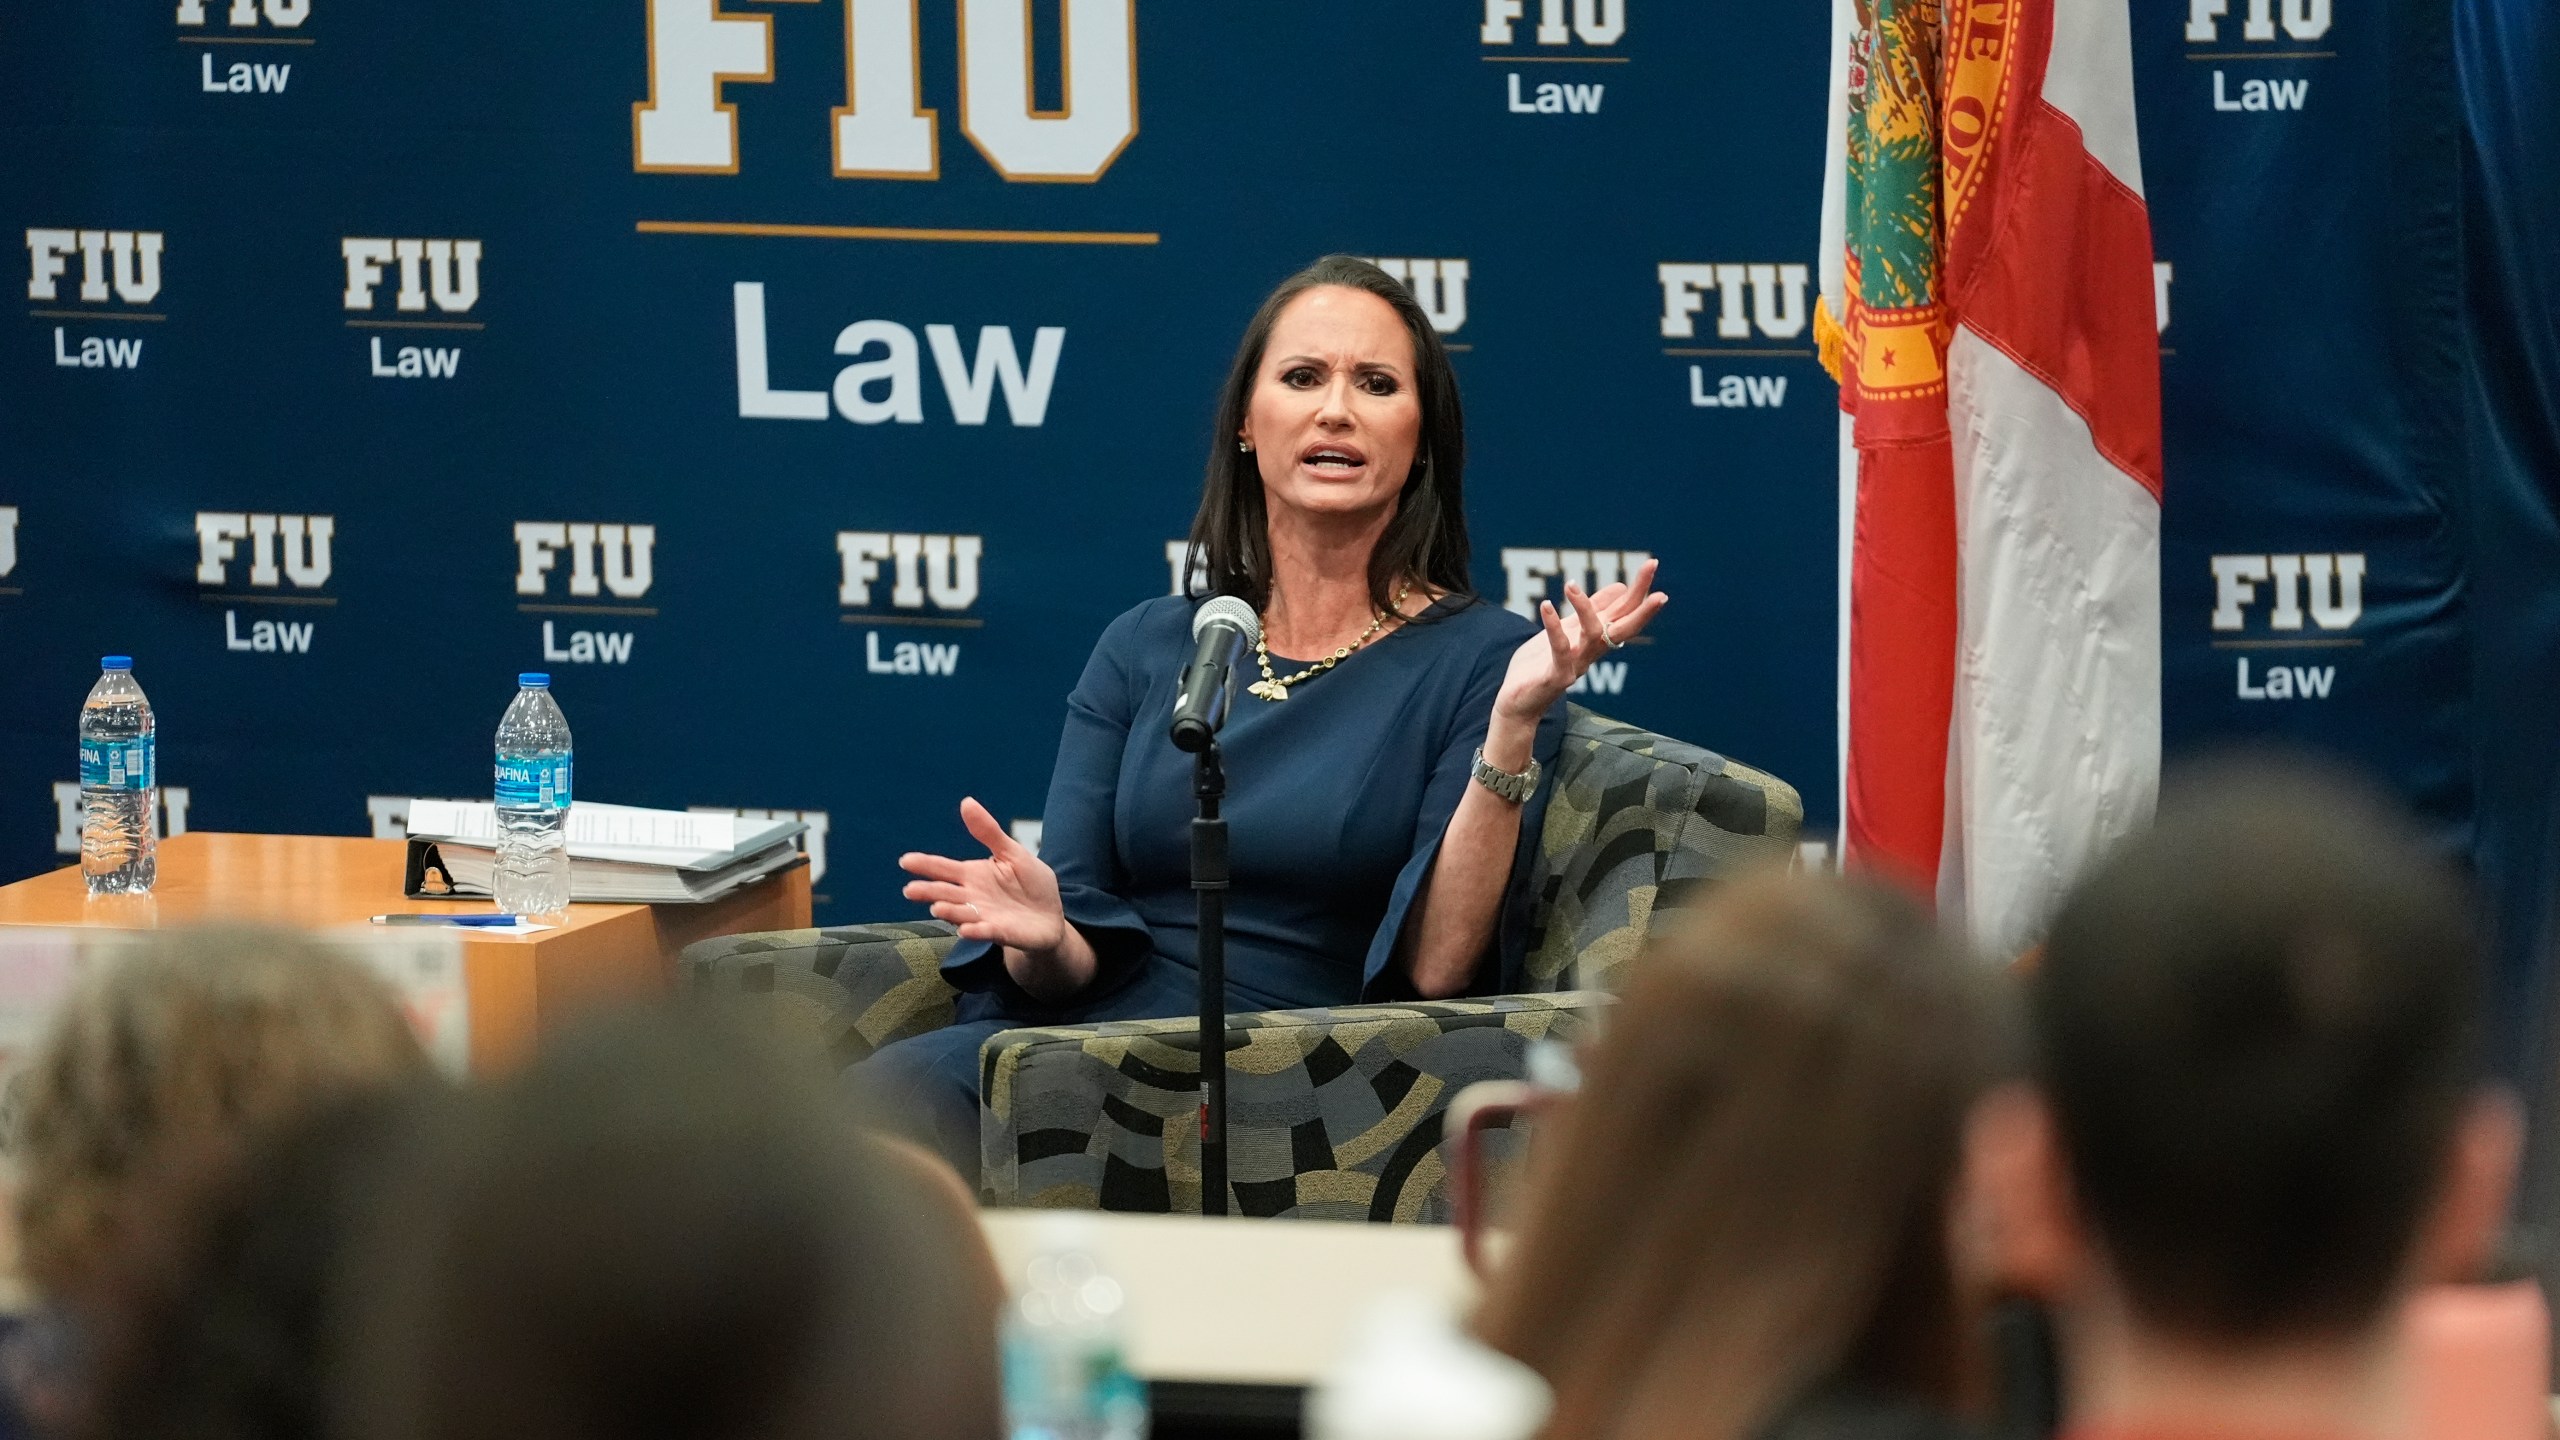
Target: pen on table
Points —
{"points": [[461, 919]]}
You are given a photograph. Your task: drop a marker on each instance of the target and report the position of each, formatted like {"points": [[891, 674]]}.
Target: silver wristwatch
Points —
{"points": [[1514, 788]]}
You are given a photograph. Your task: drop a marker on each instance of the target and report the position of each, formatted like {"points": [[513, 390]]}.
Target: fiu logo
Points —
{"points": [[1752, 302], [937, 573], [623, 551], [2327, 589], [1439, 286], [446, 272], [245, 14], [2304, 22], [283, 550], [8, 543], [1774, 294], [69, 812], [2335, 586], [126, 261], [243, 78], [886, 379], [1526, 573], [603, 560], [1595, 22], [689, 123], [1593, 25], [117, 267]]}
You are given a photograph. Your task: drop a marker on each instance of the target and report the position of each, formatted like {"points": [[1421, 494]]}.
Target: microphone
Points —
{"points": [[1222, 629]]}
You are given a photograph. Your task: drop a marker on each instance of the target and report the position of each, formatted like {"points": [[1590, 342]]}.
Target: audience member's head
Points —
{"points": [[216, 1325], [661, 1229], [2260, 1114], [166, 1057], [1747, 1201]]}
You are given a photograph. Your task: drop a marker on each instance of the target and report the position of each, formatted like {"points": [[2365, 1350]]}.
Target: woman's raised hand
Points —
{"points": [[1010, 897], [1547, 664]]}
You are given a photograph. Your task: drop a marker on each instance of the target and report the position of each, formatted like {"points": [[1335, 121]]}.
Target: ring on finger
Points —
{"points": [[1614, 642]]}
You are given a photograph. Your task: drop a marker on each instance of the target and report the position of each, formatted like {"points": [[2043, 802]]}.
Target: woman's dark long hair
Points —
{"points": [[1426, 542]]}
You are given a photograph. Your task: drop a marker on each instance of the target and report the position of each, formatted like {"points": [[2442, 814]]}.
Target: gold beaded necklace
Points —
{"points": [[1276, 687]]}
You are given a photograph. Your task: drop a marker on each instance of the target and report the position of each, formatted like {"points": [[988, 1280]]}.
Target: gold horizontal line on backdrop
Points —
{"points": [[1673, 350], [11, 590], [1556, 59], [214, 599], [896, 232], [95, 315], [939, 622], [2263, 55], [245, 40], [649, 611], [2286, 644], [416, 325]]}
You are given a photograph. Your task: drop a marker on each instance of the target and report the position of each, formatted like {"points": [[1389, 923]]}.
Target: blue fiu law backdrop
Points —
{"points": [[811, 487], [806, 384]]}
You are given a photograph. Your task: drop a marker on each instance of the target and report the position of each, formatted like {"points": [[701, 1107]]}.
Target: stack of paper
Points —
{"points": [[620, 853]]}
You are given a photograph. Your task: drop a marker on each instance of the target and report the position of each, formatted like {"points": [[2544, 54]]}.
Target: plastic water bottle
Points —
{"points": [[1066, 1373], [533, 804], [120, 809]]}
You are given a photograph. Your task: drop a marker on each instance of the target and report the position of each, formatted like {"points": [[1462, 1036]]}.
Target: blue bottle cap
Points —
{"points": [[116, 662], [534, 680]]}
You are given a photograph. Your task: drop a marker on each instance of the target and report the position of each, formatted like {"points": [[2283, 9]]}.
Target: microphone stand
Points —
{"points": [[1209, 888]]}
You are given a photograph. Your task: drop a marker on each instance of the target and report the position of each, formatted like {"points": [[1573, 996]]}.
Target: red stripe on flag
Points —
{"points": [[2059, 279], [1902, 643]]}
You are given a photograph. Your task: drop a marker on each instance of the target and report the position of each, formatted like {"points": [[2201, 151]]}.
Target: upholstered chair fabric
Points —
{"points": [[1332, 1113]]}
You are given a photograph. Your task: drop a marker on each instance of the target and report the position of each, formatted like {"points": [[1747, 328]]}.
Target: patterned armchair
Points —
{"points": [[1332, 1113]]}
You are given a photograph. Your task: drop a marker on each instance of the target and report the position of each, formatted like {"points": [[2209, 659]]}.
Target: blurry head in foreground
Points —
{"points": [[2260, 1114], [217, 1327], [170, 1055], [659, 1229], [1747, 1200]]}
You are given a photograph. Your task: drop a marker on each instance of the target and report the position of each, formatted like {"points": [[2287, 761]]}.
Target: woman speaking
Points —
{"points": [[1382, 766]]}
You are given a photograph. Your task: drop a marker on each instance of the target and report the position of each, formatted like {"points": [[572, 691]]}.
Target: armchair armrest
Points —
{"points": [[847, 990], [1332, 1113]]}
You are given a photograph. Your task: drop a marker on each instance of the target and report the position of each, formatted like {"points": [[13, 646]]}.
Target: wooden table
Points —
{"points": [[517, 983]]}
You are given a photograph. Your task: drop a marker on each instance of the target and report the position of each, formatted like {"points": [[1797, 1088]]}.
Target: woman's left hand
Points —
{"points": [[1454, 920], [1547, 664]]}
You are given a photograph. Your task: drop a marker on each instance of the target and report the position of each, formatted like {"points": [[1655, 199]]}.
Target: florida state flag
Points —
{"points": [[1987, 310]]}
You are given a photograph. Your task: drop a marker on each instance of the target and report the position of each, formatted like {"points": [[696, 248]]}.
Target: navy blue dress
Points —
{"points": [[1336, 800]]}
